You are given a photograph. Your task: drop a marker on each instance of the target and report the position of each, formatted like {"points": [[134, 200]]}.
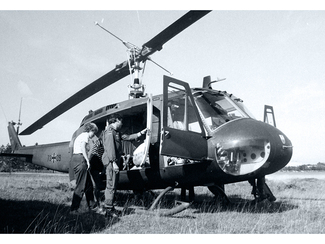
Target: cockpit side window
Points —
{"points": [[181, 113]]}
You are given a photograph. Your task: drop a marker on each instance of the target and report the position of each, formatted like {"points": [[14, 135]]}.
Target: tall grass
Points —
{"points": [[38, 203]]}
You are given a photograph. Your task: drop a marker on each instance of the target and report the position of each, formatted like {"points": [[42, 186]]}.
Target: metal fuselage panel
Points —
{"points": [[53, 156], [159, 175]]}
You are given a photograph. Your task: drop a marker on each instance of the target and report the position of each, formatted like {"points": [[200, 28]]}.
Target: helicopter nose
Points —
{"points": [[244, 146]]}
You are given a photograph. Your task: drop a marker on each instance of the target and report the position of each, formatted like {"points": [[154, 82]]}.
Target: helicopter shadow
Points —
{"points": [[239, 204], [19, 216], [202, 204]]}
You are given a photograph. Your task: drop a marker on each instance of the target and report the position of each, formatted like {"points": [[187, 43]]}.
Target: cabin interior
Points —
{"points": [[135, 120]]}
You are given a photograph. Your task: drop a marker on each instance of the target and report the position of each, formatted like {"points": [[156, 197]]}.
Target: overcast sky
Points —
{"points": [[267, 57]]}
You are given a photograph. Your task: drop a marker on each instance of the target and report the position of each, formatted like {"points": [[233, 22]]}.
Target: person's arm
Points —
{"points": [[134, 136], [109, 155], [110, 150], [94, 149], [109, 146], [84, 153]]}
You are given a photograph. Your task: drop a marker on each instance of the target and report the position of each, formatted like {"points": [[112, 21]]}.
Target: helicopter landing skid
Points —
{"points": [[180, 206]]}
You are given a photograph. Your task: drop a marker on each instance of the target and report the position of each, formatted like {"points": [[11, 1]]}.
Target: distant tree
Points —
{"points": [[321, 166], [5, 149], [5, 162], [8, 164], [306, 167]]}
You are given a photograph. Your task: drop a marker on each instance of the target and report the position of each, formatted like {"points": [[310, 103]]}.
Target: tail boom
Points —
{"points": [[54, 156]]}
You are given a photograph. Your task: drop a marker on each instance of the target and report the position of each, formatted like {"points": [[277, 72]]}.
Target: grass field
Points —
{"points": [[39, 203]]}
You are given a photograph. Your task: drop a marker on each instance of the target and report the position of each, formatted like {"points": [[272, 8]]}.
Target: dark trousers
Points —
{"points": [[98, 176], [111, 185], [98, 183], [83, 181]]}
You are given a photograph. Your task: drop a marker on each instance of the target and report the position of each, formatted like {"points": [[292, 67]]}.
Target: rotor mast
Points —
{"points": [[136, 57], [137, 89]]}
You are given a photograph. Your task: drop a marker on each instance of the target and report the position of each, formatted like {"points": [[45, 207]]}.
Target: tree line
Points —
{"points": [[8, 164], [306, 167]]}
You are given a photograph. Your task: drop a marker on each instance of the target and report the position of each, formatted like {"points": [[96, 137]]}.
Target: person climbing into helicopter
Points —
{"points": [[80, 165], [112, 142]]}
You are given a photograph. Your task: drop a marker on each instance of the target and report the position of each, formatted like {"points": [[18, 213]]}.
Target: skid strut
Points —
{"points": [[180, 206], [219, 191]]}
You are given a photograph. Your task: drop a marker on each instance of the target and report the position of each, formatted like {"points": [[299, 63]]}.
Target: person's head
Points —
{"points": [[174, 105], [91, 128], [116, 120]]}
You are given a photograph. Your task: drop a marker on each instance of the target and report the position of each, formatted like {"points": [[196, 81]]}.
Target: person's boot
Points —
{"points": [[75, 204], [112, 213]]}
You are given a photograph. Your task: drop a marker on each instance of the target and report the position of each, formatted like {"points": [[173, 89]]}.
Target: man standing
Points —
{"points": [[112, 141]]}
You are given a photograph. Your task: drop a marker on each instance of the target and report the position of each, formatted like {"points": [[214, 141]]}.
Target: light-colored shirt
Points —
{"points": [[83, 137]]}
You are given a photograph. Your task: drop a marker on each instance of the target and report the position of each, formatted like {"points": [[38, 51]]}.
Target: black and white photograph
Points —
{"points": [[139, 119]]}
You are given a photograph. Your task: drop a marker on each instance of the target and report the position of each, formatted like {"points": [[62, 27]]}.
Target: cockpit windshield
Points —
{"points": [[217, 109]]}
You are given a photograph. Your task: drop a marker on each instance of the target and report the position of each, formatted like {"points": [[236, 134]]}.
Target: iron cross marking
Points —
{"points": [[53, 158]]}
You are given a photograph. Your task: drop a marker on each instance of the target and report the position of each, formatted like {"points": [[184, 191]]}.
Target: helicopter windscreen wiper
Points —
{"points": [[120, 71]]}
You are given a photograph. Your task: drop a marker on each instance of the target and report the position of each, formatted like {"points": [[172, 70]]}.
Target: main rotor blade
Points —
{"points": [[111, 77], [156, 43], [122, 70]]}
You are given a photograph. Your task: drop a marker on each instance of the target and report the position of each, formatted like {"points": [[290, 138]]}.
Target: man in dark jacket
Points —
{"points": [[112, 142]]}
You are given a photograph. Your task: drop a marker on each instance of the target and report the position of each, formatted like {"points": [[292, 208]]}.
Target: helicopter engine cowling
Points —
{"points": [[246, 146]]}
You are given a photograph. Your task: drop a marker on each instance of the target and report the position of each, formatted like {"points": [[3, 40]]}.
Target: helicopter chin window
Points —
{"points": [[242, 157]]}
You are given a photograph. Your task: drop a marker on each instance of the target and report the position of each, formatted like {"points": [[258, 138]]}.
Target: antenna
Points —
{"points": [[207, 82], [217, 80], [18, 124]]}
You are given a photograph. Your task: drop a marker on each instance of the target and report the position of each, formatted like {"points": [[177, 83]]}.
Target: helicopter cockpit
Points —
{"points": [[235, 157], [213, 119], [218, 108], [214, 108]]}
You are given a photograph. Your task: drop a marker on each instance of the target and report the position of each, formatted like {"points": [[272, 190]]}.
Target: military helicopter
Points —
{"points": [[195, 137]]}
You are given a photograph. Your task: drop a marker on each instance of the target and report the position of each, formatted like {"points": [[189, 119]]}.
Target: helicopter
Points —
{"points": [[195, 136]]}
